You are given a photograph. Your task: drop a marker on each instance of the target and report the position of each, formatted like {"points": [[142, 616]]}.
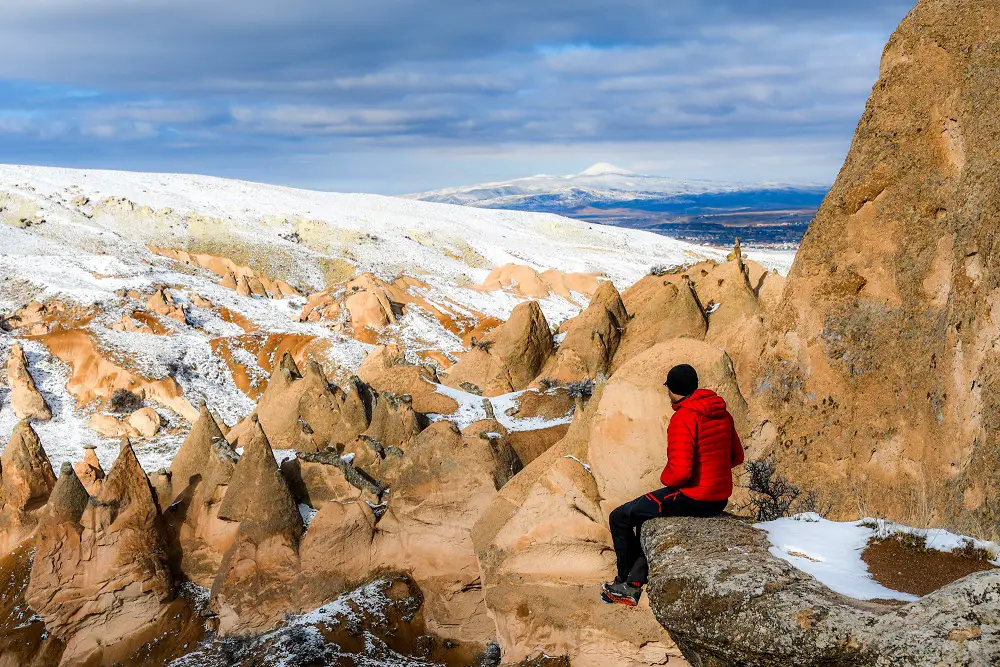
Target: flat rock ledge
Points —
{"points": [[727, 602]]}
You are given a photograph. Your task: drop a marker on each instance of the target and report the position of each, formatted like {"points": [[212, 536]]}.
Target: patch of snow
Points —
{"points": [[831, 552], [471, 409]]}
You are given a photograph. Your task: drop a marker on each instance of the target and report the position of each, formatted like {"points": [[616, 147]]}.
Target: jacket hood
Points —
{"points": [[703, 401]]}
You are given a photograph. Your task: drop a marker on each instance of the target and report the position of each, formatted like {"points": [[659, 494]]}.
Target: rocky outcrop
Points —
{"points": [[162, 303], [297, 410], [100, 572], [728, 602], [544, 549], [592, 338], [25, 399], [234, 276], [199, 477], [659, 309], [26, 480], [525, 281], [508, 358], [89, 470], [879, 372], [249, 592], [385, 370]]}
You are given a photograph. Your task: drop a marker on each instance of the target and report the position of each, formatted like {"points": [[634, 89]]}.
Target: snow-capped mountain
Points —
{"points": [[714, 212], [601, 183]]}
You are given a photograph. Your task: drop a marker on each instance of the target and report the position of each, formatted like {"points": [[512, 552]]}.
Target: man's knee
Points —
{"points": [[620, 517]]}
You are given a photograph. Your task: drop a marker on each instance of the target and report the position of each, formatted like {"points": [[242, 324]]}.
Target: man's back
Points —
{"points": [[702, 448]]}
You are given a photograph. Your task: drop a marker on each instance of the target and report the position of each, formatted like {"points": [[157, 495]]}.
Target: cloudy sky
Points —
{"points": [[397, 96]]}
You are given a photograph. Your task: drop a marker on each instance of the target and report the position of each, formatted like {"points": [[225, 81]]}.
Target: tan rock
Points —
{"points": [[303, 411], [509, 357], [878, 382], [146, 422], [250, 591], [162, 303], [439, 489], [110, 426], [89, 471], [26, 479], [659, 309], [385, 370], [199, 478], [25, 398], [592, 338], [99, 580]]}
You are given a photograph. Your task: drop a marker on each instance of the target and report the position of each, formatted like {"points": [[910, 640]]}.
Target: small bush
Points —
{"points": [[548, 383], [124, 401], [661, 270], [581, 389], [772, 496], [484, 345]]}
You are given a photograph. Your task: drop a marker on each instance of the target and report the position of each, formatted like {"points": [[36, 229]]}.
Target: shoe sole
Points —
{"points": [[611, 598]]}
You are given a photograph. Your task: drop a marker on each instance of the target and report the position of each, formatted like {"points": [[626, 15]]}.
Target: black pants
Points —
{"points": [[626, 522]]}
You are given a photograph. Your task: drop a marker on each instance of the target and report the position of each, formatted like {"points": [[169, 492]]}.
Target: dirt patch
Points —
{"points": [[907, 565]]}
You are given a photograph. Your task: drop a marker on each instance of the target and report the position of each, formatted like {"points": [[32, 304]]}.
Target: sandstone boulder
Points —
{"points": [[728, 602], [146, 422], [25, 399]]}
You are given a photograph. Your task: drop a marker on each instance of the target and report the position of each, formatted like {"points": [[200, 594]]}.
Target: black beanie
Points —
{"points": [[682, 380]]}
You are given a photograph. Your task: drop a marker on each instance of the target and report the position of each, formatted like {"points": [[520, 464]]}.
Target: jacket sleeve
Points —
{"points": [[680, 450], [736, 453]]}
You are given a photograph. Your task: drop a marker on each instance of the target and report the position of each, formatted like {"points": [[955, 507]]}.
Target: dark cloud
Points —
{"points": [[191, 80]]}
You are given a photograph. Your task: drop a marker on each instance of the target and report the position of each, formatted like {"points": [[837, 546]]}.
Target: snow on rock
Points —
{"points": [[472, 409], [831, 551]]}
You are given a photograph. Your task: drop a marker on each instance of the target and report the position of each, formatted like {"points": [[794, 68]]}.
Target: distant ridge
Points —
{"points": [[702, 211]]}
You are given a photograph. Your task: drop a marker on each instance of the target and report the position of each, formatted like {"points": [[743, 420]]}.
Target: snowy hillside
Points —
{"points": [[101, 285]]}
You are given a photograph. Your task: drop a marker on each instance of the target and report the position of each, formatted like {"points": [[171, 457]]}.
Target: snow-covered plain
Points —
{"points": [[79, 236], [831, 551]]}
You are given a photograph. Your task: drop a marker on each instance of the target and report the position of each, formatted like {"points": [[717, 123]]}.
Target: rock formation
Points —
{"points": [[264, 554], [26, 479], [728, 602], [877, 381], [199, 477], [163, 303], [100, 572], [89, 471], [592, 338], [508, 358], [25, 398], [659, 309]]}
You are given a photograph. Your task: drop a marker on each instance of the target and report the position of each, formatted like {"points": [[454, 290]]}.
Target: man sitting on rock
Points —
{"points": [[702, 449]]}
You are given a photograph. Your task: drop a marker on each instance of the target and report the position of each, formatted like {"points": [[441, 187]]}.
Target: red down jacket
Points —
{"points": [[702, 448]]}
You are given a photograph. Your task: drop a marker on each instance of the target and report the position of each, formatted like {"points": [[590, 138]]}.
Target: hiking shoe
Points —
{"points": [[621, 593]]}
